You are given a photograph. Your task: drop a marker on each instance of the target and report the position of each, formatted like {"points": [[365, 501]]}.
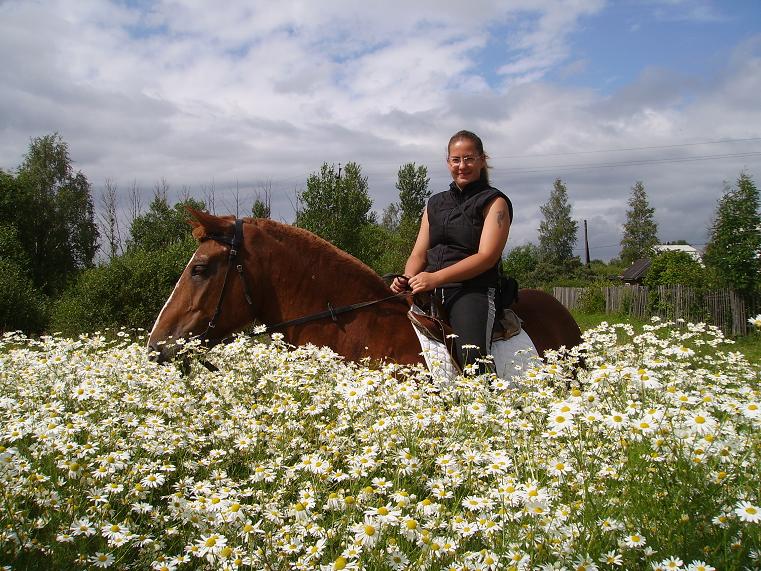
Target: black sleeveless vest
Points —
{"points": [[456, 220]]}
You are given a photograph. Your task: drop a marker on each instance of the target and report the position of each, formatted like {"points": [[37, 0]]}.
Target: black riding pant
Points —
{"points": [[471, 312]]}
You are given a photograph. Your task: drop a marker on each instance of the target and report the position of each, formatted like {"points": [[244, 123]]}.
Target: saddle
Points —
{"points": [[428, 316]]}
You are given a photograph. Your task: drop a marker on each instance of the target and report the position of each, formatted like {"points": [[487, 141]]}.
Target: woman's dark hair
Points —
{"points": [[478, 143]]}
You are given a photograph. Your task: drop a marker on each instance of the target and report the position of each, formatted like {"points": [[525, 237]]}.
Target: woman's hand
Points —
{"points": [[424, 281], [400, 284]]}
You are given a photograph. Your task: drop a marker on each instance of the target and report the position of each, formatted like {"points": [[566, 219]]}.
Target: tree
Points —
{"points": [[521, 262], [391, 217], [673, 267], [400, 221], [52, 210], [163, 225], [262, 207], [412, 183], [109, 221], [734, 246], [557, 232], [336, 207], [128, 291], [640, 228]]}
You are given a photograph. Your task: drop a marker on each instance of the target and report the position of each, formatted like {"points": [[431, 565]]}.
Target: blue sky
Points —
{"points": [[627, 37], [252, 95]]}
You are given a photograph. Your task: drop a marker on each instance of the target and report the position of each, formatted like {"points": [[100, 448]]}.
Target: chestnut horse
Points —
{"points": [[259, 270]]}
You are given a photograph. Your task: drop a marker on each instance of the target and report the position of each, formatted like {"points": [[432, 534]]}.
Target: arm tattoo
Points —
{"points": [[500, 217]]}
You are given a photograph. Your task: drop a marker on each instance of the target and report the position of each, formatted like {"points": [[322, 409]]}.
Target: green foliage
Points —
{"points": [[557, 232], [400, 222], [22, 306], [260, 209], [569, 273], [129, 291], [674, 268], [51, 208], [412, 184], [592, 300], [520, 263], [640, 228], [734, 248], [393, 246], [337, 208], [11, 248], [163, 225]]}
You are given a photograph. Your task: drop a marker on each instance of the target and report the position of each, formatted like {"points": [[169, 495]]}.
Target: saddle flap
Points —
{"points": [[433, 328], [509, 326]]}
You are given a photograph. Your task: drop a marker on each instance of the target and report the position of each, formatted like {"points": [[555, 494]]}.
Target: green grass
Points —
{"points": [[748, 345]]}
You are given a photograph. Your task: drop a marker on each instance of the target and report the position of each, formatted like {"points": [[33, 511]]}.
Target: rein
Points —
{"points": [[235, 243], [332, 312]]}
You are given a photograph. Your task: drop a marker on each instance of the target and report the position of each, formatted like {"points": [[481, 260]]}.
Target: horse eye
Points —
{"points": [[198, 270]]}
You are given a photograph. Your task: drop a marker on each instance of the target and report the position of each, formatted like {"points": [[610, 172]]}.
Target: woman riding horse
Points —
{"points": [[458, 250], [259, 270]]}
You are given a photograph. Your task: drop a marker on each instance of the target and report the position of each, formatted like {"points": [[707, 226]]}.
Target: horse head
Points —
{"points": [[205, 303]]}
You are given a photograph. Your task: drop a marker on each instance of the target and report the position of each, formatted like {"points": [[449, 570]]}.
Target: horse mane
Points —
{"points": [[206, 225]]}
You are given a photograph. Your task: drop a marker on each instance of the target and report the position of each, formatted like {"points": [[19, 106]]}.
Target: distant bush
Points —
{"points": [[675, 268], [22, 306], [593, 299], [129, 291]]}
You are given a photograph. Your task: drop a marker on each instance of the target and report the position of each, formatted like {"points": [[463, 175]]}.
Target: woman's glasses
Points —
{"points": [[467, 161]]}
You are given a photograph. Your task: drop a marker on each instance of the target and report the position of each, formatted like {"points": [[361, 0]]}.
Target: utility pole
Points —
{"points": [[586, 243]]}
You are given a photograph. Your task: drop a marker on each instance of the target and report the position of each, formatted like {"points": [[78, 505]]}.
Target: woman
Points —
{"points": [[459, 247]]}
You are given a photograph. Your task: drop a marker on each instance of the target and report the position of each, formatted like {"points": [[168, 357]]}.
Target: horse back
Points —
{"points": [[546, 321]]}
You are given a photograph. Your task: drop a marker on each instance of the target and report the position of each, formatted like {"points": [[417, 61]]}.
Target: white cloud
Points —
{"points": [[250, 92]]}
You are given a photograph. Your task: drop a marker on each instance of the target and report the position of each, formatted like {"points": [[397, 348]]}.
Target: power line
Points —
{"points": [[611, 150], [622, 149], [526, 170]]}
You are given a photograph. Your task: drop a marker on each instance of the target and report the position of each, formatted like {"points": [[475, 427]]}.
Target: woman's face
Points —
{"points": [[464, 162]]}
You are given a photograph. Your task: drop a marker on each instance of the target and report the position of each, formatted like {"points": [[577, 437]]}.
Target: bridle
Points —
{"points": [[235, 242]]}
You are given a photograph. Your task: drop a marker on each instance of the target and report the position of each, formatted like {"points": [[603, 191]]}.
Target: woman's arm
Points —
{"points": [[493, 240], [418, 258]]}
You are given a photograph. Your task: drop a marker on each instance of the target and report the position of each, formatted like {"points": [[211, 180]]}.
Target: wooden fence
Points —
{"points": [[723, 308]]}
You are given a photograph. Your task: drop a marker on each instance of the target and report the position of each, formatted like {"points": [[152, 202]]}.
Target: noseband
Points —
{"points": [[235, 243]]}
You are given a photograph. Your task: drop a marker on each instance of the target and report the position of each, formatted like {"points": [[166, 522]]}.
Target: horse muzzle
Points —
{"points": [[161, 353]]}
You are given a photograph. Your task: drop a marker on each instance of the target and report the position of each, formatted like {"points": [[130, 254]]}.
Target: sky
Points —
{"points": [[243, 96]]}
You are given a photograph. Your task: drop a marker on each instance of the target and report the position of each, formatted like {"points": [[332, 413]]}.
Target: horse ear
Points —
{"points": [[204, 223], [195, 220]]}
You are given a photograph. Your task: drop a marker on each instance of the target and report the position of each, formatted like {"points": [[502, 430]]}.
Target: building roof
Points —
{"points": [[692, 251], [636, 271]]}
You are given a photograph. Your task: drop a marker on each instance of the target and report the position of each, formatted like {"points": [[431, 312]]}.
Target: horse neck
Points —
{"points": [[300, 274]]}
